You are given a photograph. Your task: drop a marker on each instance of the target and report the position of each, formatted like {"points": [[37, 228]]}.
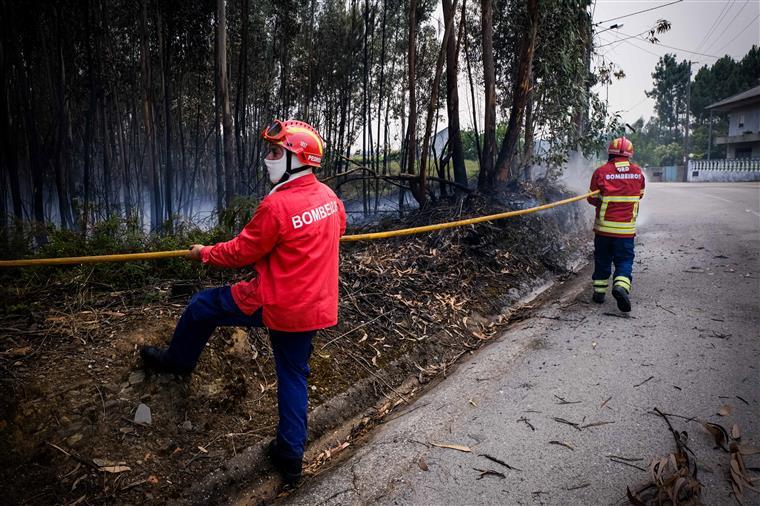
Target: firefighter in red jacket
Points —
{"points": [[621, 187], [292, 241]]}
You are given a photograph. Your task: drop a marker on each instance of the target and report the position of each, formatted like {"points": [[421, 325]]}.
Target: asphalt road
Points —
{"points": [[691, 346]]}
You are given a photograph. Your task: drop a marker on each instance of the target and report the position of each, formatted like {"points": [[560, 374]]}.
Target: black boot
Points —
{"points": [[621, 296], [155, 359], [289, 468], [598, 297]]}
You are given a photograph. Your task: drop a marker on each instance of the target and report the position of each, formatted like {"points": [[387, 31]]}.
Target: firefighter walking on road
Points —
{"points": [[621, 187]]}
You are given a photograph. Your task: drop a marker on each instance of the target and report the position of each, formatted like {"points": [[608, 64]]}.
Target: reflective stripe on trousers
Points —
{"points": [[623, 281], [600, 285]]}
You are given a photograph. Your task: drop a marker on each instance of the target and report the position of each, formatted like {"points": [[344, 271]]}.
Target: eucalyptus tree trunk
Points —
{"points": [[489, 77], [380, 107], [105, 144], [62, 160], [165, 35], [452, 94], [519, 96], [32, 142], [8, 154], [224, 96], [411, 62], [156, 211], [421, 195], [241, 96], [527, 159], [472, 87]]}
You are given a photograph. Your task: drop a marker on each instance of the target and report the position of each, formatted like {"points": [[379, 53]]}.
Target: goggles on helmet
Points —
{"points": [[275, 132]]}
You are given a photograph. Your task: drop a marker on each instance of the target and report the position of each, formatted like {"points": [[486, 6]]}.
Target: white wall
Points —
{"points": [[751, 120], [712, 175]]}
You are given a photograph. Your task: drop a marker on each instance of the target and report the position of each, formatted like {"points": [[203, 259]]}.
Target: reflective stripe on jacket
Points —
{"points": [[621, 186], [292, 241]]}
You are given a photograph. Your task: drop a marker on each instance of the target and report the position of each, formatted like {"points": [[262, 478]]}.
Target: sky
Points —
{"points": [[701, 30]]}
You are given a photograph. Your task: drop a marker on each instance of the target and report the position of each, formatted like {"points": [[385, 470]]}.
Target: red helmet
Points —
{"points": [[621, 147], [299, 138]]}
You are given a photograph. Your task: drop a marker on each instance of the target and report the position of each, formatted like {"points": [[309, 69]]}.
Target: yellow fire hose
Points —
{"points": [[346, 238]]}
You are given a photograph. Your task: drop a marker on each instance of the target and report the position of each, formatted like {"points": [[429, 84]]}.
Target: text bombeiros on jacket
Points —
{"points": [[314, 215]]}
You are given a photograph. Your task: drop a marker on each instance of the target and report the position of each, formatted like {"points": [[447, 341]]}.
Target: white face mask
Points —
{"points": [[276, 168]]}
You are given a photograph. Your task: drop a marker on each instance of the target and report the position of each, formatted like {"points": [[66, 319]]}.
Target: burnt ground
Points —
{"points": [[71, 381]]}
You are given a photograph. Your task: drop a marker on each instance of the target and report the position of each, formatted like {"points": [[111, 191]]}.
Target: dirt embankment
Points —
{"points": [[409, 307]]}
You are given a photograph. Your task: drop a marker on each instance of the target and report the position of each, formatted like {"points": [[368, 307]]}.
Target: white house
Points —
{"points": [[742, 162]]}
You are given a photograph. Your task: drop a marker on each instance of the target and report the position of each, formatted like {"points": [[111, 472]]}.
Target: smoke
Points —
{"points": [[643, 215], [576, 175]]}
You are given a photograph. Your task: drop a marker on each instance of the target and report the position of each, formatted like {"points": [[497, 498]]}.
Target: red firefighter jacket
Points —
{"points": [[621, 186], [292, 241]]}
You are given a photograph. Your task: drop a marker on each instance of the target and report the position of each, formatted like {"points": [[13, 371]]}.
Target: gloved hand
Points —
{"points": [[195, 252]]}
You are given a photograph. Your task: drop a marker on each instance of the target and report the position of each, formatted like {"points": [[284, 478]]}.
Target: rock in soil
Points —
{"points": [[142, 415]]}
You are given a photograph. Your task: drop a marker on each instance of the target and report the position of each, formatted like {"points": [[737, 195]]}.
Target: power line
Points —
{"points": [[642, 48], [626, 41], [688, 50], [635, 106], [621, 40], [677, 48], [729, 24], [638, 12], [716, 21], [737, 35]]}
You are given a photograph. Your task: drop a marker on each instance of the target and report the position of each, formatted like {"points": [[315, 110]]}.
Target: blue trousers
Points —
{"points": [[608, 251], [215, 307]]}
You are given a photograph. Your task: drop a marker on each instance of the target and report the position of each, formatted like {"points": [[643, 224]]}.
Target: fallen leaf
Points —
{"points": [[423, 465], [735, 432], [202, 449], [19, 352], [488, 472], [152, 479], [560, 443], [114, 469], [718, 432], [725, 410], [499, 461], [595, 424], [457, 447]]}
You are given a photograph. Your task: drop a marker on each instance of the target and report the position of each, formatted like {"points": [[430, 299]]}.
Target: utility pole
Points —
{"points": [[709, 136], [686, 126], [588, 64]]}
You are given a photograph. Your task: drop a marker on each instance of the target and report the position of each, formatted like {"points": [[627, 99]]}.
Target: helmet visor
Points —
{"points": [[274, 132]]}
